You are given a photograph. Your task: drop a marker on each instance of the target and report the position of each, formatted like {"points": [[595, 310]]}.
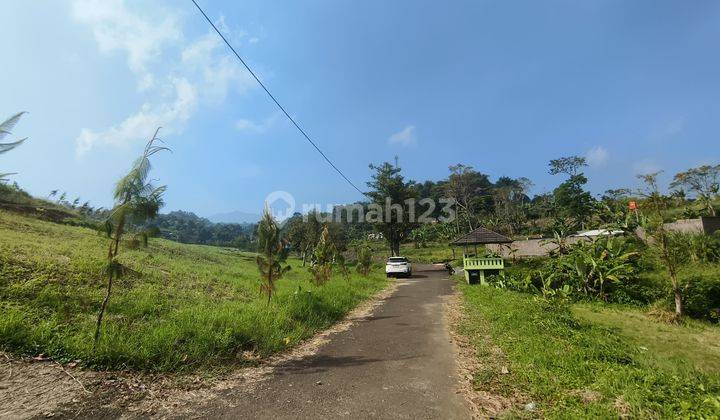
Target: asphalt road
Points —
{"points": [[397, 363]]}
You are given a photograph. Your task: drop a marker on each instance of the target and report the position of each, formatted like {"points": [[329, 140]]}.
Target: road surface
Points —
{"points": [[398, 363]]}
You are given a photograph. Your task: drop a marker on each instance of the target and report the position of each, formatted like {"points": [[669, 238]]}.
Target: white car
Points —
{"points": [[398, 266]]}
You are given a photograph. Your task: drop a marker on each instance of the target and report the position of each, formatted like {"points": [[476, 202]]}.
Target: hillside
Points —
{"points": [[179, 306]]}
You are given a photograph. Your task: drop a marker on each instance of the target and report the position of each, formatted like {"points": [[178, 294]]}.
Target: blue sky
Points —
{"points": [[503, 86]]}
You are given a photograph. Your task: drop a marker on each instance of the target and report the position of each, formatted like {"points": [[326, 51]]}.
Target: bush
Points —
{"points": [[640, 290], [702, 297], [12, 193]]}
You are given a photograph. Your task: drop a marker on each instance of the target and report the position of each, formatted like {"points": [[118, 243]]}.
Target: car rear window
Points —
{"points": [[397, 259]]}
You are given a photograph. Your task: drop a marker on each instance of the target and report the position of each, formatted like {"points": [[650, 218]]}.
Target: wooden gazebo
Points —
{"points": [[474, 266]]}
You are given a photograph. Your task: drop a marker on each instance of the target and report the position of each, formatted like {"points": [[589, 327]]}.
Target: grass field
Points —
{"points": [[686, 346], [592, 362], [181, 307], [432, 253]]}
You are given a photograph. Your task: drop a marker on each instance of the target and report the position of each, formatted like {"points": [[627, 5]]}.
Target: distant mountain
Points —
{"points": [[235, 217]]}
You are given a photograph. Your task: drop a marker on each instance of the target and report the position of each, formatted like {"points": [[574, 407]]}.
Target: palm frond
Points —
{"points": [[3, 176], [7, 125], [151, 148], [6, 147]]}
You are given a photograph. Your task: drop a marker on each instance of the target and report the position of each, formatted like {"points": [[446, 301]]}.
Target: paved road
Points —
{"points": [[398, 363]]}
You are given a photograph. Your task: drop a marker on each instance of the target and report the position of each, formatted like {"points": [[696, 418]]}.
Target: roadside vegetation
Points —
{"points": [[612, 326], [572, 362], [178, 307], [593, 329]]}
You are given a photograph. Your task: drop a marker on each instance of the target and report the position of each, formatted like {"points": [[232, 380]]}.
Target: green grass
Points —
{"points": [[689, 345], [588, 364], [181, 307], [431, 254]]}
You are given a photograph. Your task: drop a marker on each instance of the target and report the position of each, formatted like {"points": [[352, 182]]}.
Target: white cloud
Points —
{"points": [[263, 126], [646, 166], [673, 128], [142, 124], [218, 72], [179, 77], [405, 137], [115, 28], [597, 157]]}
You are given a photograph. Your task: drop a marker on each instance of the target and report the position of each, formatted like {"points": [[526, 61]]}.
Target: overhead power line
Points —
{"points": [[275, 100]]}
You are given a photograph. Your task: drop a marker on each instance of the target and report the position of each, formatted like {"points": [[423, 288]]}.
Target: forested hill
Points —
{"points": [[187, 227]]}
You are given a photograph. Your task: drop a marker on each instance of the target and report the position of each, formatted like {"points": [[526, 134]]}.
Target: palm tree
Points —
{"points": [[5, 128], [136, 201]]}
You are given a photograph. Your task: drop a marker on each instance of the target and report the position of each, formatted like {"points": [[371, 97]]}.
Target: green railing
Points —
{"points": [[476, 263]]}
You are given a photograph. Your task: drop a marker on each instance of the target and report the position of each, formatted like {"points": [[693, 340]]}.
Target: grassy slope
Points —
{"points": [[573, 368], [693, 344], [432, 253], [181, 307]]}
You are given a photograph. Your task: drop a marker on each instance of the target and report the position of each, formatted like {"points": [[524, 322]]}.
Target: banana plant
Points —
{"points": [[604, 260]]}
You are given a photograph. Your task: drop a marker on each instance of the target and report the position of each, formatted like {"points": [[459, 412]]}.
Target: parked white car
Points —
{"points": [[398, 266]]}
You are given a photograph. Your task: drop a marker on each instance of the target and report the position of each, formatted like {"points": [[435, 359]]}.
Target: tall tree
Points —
{"points": [[571, 200], [136, 201], [390, 194], [510, 196], [471, 191], [303, 233], [271, 254], [570, 165], [703, 181]]}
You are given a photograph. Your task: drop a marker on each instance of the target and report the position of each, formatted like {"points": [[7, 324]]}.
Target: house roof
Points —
{"points": [[482, 236], [597, 232]]}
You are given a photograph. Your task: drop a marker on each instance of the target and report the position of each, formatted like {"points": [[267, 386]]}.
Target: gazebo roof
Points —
{"points": [[481, 236]]}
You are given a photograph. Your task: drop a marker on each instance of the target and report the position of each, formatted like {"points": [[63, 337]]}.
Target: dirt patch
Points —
{"points": [[38, 386], [128, 395], [41, 212], [484, 402]]}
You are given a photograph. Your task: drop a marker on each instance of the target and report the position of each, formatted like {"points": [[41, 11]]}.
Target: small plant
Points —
{"points": [[517, 282], [323, 257], [136, 201], [562, 246], [364, 260], [342, 266], [550, 291], [271, 254], [599, 262]]}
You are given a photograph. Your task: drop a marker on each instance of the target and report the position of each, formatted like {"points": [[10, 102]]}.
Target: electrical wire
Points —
{"points": [[275, 100]]}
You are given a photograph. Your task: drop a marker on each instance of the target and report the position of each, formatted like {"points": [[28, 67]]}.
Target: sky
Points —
{"points": [[502, 86]]}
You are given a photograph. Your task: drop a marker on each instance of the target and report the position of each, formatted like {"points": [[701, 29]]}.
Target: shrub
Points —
{"points": [[364, 260], [589, 266], [323, 258], [702, 297], [513, 281], [638, 290]]}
